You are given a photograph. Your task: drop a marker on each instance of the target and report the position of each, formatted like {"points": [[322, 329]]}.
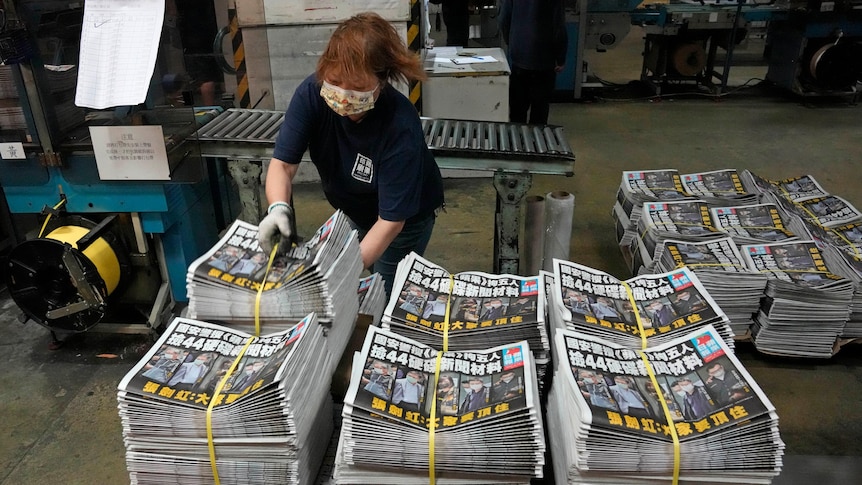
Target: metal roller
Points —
{"points": [[515, 138], [527, 139], [539, 137]]}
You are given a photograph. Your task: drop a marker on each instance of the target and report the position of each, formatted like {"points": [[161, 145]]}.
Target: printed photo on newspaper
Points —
{"points": [[663, 303], [393, 379], [191, 357], [699, 380]]}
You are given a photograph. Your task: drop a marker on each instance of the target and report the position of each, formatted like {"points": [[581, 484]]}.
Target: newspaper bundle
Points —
{"points": [[270, 421], [482, 310], [657, 307], [752, 224], [637, 187], [735, 287], [223, 283], [804, 197], [830, 221], [318, 276], [687, 220], [842, 251], [487, 422], [612, 408], [372, 297], [716, 188], [806, 304]]}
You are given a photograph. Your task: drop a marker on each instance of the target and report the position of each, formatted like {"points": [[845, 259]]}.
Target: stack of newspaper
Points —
{"points": [[635, 189], [716, 188], [719, 187], [687, 220], [803, 197], [657, 307], [842, 250], [318, 276], [612, 409], [372, 297], [735, 288], [752, 224], [224, 282], [832, 222], [483, 310], [259, 407], [481, 405], [806, 304]]}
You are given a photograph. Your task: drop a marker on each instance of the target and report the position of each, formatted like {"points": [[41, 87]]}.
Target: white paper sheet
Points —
{"points": [[130, 152], [119, 44], [473, 59]]}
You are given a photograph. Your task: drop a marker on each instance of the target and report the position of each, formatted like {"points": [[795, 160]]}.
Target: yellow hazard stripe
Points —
{"points": [[414, 43], [242, 91]]}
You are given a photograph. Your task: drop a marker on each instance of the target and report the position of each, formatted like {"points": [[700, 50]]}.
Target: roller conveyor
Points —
{"points": [[484, 139], [512, 151], [456, 144]]}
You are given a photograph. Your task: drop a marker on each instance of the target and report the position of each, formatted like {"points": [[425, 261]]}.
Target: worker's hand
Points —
{"points": [[279, 226]]}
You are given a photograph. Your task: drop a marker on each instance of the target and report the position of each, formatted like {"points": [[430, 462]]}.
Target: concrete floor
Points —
{"points": [[58, 411]]}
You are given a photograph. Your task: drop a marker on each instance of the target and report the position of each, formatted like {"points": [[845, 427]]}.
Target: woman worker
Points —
{"points": [[366, 140]]}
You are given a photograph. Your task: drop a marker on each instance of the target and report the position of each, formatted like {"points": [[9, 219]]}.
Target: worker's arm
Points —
{"points": [[378, 238], [279, 180]]}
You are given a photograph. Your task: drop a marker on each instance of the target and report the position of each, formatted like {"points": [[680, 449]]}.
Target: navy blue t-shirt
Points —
{"points": [[379, 166]]}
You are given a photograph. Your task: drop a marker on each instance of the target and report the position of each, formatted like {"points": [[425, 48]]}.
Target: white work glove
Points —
{"points": [[279, 226]]}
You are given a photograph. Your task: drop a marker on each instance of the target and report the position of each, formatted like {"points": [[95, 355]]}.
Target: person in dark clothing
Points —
{"points": [[456, 16], [477, 397], [365, 138], [198, 27], [535, 33]]}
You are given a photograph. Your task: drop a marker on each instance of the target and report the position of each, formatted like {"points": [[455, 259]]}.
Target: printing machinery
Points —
{"points": [[812, 47], [111, 251], [591, 24], [815, 47]]}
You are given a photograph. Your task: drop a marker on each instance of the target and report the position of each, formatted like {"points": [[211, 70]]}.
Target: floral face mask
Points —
{"points": [[346, 102]]}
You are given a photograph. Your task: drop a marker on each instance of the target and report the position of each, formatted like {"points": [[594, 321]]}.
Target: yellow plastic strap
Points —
{"points": [[213, 400], [432, 425], [711, 265], [762, 227], [433, 416], [227, 375], [815, 218], [667, 416], [779, 270], [848, 242], [636, 312], [665, 224], [260, 291], [45, 224], [797, 204]]}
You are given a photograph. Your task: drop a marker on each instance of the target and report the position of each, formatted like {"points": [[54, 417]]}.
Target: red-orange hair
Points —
{"points": [[367, 44]]}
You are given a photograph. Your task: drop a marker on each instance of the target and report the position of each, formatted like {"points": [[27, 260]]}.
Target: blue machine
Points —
{"points": [[816, 48], [591, 24], [112, 253], [812, 46]]}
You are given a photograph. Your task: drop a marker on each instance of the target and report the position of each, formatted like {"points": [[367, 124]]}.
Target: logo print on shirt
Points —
{"points": [[363, 169]]}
